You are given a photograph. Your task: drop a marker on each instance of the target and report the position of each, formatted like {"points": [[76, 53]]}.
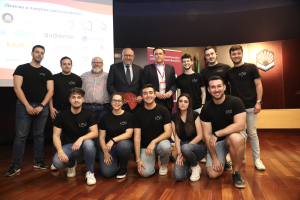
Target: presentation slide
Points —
{"points": [[78, 29]]}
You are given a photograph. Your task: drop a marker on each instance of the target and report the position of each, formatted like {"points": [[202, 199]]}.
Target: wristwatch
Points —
{"points": [[259, 101], [214, 133], [42, 105]]}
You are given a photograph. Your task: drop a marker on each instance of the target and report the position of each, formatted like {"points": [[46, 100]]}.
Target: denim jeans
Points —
{"points": [[23, 120], [98, 112], [192, 153], [120, 152], [251, 121], [164, 149], [86, 150]]}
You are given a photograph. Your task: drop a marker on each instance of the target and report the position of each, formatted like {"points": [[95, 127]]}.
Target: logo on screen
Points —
{"points": [[71, 24], [85, 48], [63, 48], [19, 45], [265, 60], [2, 32], [87, 25], [84, 38], [7, 18], [85, 58], [103, 26], [24, 34], [12, 56], [59, 36]]}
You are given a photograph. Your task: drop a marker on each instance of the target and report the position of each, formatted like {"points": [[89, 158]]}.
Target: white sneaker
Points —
{"points": [[163, 170], [228, 159], [244, 160], [203, 160], [259, 165], [91, 180], [72, 171], [53, 168], [196, 171]]}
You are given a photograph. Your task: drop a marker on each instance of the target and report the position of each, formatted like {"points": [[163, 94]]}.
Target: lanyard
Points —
{"points": [[162, 76]]}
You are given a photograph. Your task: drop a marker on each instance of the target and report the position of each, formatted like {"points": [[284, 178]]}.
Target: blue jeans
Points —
{"points": [[192, 153], [120, 152], [23, 120], [98, 112], [86, 150], [164, 149]]}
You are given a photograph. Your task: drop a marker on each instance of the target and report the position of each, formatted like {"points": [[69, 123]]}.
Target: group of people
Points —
{"points": [[208, 122]]}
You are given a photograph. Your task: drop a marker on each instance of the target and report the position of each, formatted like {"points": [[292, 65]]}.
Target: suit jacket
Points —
{"points": [[116, 81], [150, 76]]}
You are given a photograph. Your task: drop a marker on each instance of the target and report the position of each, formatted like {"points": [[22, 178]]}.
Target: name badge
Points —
{"points": [[162, 86]]}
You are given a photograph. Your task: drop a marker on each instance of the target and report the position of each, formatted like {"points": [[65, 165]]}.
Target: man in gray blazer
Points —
{"points": [[126, 77]]}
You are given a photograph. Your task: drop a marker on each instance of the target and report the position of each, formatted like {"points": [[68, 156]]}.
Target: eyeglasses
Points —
{"points": [[97, 62], [129, 56], [116, 101]]}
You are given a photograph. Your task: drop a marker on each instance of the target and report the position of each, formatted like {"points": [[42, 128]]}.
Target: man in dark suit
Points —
{"points": [[126, 77], [162, 76]]}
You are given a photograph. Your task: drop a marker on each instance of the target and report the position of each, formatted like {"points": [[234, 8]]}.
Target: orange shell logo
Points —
{"points": [[265, 60]]}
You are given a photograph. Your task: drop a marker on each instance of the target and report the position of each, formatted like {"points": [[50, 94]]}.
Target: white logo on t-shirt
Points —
{"points": [[83, 125], [194, 80], [72, 82], [158, 117], [228, 111], [220, 70], [42, 74], [123, 123], [242, 74]]}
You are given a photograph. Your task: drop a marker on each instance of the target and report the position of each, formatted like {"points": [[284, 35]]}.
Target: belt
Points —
{"points": [[95, 104]]}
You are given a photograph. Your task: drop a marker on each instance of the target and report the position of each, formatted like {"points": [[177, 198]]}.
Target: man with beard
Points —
{"points": [[191, 83], [126, 77], [223, 119], [96, 97], [63, 82], [152, 128], [214, 68], [246, 84], [76, 143], [33, 85]]}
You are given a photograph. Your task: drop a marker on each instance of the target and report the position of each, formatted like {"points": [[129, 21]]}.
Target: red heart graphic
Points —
{"points": [[130, 98]]}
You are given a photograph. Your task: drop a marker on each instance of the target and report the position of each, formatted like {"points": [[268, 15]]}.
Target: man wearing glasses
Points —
{"points": [[96, 98], [126, 77]]}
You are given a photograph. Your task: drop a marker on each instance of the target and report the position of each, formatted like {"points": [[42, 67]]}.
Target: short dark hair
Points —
{"points": [[210, 47], [118, 93], [235, 47], [147, 86], [66, 57], [76, 90], [186, 56], [158, 48], [38, 46], [215, 78]]}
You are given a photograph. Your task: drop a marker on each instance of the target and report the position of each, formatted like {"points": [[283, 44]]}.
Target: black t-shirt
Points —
{"points": [[222, 115], [151, 123], [115, 125], [74, 125], [34, 83], [191, 84], [242, 83], [62, 84], [219, 69], [182, 136]]}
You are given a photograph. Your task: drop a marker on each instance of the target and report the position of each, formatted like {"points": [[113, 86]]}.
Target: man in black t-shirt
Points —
{"points": [[76, 142], [214, 68], [191, 83], [152, 128], [63, 82], [223, 119], [33, 85], [246, 84]]}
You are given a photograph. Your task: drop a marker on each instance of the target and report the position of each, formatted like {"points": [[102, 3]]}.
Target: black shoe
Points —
{"points": [[80, 161], [122, 173], [40, 165], [238, 180], [172, 159], [12, 170]]}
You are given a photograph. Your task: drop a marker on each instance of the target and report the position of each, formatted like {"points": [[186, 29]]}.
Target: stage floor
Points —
{"points": [[280, 153]]}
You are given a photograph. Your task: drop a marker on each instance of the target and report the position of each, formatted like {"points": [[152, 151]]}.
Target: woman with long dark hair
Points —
{"points": [[188, 135], [116, 128]]}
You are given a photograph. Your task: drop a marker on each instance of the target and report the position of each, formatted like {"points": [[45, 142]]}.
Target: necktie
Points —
{"points": [[128, 77]]}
